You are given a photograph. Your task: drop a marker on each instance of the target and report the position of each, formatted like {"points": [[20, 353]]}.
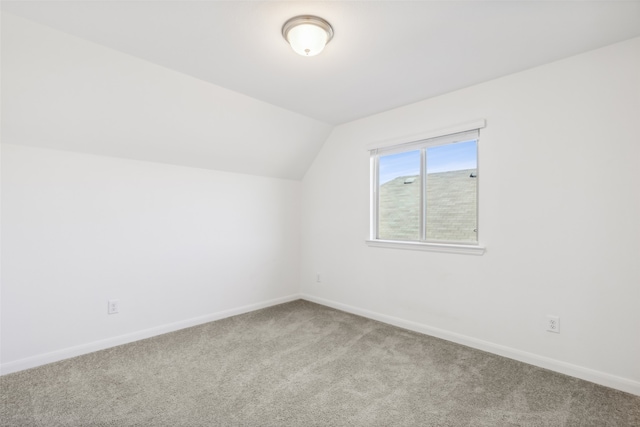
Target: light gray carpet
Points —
{"points": [[302, 364]]}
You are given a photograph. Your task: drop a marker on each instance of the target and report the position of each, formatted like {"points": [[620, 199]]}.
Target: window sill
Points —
{"points": [[432, 247]]}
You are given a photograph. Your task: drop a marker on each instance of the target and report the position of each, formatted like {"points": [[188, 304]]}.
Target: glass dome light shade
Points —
{"points": [[307, 39], [307, 35]]}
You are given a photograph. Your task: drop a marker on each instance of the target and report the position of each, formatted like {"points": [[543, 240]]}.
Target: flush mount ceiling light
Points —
{"points": [[307, 34]]}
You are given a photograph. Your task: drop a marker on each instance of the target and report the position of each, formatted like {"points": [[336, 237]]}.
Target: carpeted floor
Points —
{"points": [[302, 364]]}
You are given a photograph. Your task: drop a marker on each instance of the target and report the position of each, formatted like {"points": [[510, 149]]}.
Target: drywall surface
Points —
{"points": [[558, 213], [62, 92], [175, 245]]}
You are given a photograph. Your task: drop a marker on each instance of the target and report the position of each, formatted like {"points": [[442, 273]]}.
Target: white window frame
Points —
{"points": [[452, 134]]}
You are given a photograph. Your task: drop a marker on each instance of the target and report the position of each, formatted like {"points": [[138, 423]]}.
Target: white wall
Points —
{"points": [[177, 246], [559, 214]]}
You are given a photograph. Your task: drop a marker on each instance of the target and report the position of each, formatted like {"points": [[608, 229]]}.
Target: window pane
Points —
{"points": [[399, 196], [452, 192]]}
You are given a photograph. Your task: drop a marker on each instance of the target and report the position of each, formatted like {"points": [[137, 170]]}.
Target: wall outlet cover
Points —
{"points": [[113, 306], [553, 324]]}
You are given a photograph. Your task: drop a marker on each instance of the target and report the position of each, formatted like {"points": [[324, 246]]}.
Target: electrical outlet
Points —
{"points": [[553, 324], [113, 306], [318, 280]]}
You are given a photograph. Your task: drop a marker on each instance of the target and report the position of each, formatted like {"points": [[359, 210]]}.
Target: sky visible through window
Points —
{"points": [[442, 158]]}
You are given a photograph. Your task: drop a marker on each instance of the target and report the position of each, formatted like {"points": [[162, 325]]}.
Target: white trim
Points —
{"points": [[66, 353], [374, 162], [598, 377], [462, 127], [420, 144], [449, 248]]}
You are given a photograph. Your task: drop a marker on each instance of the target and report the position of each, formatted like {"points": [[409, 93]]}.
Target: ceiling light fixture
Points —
{"points": [[307, 34]]}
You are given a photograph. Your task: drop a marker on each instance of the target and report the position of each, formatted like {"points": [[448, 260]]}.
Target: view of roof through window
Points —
{"points": [[442, 158], [450, 194]]}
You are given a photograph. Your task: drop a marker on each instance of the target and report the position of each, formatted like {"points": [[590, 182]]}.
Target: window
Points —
{"points": [[425, 193]]}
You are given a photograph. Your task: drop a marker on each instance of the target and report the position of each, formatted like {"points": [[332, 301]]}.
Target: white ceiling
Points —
{"points": [[64, 93], [384, 54]]}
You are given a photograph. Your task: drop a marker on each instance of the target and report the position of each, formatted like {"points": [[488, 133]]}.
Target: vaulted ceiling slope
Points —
{"points": [[213, 84], [384, 54], [65, 93]]}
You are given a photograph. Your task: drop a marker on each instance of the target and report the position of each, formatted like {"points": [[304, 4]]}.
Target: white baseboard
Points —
{"points": [[598, 377], [54, 356]]}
